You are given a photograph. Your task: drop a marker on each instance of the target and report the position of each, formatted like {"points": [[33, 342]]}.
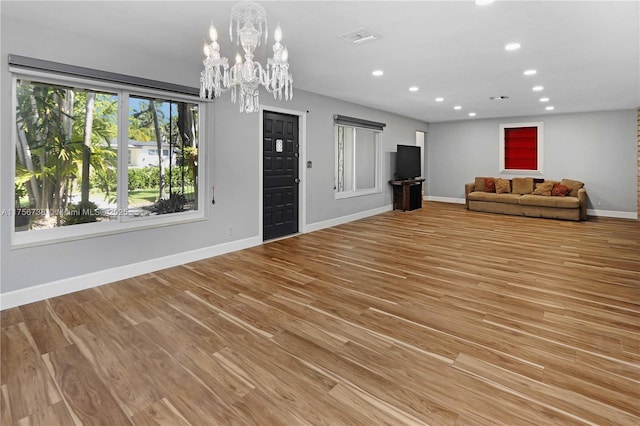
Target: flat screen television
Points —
{"points": [[408, 162]]}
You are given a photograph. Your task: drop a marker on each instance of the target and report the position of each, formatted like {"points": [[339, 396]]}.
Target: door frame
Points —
{"points": [[302, 168]]}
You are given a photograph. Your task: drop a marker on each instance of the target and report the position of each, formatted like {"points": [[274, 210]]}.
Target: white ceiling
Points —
{"points": [[587, 53]]}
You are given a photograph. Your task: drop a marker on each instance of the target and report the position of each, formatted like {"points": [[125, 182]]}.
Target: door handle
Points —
{"points": [[296, 180]]}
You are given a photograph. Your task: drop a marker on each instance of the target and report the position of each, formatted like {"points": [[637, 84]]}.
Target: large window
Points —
{"points": [[521, 148], [357, 158], [94, 158], [163, 142]]}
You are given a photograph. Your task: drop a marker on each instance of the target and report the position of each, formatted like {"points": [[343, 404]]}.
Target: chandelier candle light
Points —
{"points": [[246, 77]]}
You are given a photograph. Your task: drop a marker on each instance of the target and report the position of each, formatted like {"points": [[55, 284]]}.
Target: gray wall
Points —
{"points": [[598, 148], [232, 162], [321, 204]]}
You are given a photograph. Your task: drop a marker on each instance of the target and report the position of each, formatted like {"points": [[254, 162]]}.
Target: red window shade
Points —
{"points": [[521, 148]]}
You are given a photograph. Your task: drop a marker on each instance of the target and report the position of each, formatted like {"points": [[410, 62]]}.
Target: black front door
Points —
{"points": [[280, 177]]}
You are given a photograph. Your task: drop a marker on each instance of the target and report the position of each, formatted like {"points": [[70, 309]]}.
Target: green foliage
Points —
{"points": [[142, 197], [149, 177], [83, 212], [146, 178], [20, 192], [51, 123], [179, 175], [174, 204], [141, 126], [105, 180]]}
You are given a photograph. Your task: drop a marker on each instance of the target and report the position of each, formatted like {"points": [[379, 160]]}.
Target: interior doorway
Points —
{"points": [[420, 142]]}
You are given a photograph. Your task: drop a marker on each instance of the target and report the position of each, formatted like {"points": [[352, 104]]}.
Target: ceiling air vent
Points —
{"points": [[359, 36]]}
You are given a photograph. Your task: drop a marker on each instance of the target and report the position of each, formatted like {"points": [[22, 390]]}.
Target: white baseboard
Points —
{"points": [[346, 219], [82, 282], [612, 213], [48, 290], [444, 199]]}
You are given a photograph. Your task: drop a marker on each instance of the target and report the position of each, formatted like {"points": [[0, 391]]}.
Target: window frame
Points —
{"points": [[353, 191], [540, 148], [122, 223]]}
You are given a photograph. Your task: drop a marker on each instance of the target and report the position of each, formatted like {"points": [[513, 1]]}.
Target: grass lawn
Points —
{"points": [[142, 197]]}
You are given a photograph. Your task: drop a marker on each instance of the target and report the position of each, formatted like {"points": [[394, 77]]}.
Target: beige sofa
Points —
{"points": [[532, 197]]}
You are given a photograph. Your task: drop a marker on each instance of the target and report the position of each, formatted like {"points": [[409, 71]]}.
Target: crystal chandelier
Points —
{"points": [[250, 21]]}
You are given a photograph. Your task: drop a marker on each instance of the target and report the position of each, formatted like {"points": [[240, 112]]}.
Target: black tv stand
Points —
{"points": [[407, 194]]}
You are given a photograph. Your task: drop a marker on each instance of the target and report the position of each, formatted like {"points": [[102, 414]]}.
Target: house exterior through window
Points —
{"points": [[96, 158]]}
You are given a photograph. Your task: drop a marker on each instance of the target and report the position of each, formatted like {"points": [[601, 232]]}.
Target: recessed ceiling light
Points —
{"points": [[530, 72], [484, 2], [472, 114], [537, 88], [377, 73], [550, 108], [457, 107], [414, 88], [544, 99], [512, 46], [439, 99]]}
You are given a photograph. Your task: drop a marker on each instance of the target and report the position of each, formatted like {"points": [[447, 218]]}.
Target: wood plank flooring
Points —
{"points": [[438, 316]]}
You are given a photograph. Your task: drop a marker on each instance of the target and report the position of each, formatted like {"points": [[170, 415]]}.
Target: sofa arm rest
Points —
{"points": [[582, 198], [468, 188]]}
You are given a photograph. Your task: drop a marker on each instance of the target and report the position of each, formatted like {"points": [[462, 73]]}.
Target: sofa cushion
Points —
{"points": [[493, 197], [544, 188], [489, 185], [560, 202], [574, 185], [479, 184], [503, 186], [559, 190], [522, 185]]}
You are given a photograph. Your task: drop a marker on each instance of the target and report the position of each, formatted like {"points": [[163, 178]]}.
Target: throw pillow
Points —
{"points": [[544, 188], [479, 184], [559, 190], [489, 185], [522, 185], [574, 185], [503, 186]]}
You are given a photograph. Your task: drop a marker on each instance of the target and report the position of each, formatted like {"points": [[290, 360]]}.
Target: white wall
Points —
{"points": [[598, 148], [232, 166]]}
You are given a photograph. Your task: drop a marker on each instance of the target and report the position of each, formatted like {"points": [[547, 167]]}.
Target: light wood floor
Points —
{"points": [[438, 316]]}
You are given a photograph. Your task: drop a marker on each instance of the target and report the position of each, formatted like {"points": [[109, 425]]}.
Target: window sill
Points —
{"points": [[518, 173], [26, 239]]}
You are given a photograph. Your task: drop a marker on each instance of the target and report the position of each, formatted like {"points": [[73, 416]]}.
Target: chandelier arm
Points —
{"points": [[278, 81]]}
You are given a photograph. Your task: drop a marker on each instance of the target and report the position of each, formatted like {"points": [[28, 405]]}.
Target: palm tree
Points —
{"points": [[86, 146], [144, 125], [57, 131], [186, 121], [156, 126]]}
